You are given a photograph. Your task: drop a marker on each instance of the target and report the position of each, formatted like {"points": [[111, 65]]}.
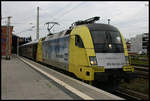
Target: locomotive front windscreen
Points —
{"points": [[107, 41]]}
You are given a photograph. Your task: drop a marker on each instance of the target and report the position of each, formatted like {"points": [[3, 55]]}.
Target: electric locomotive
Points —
{"points": [[92, 51]]}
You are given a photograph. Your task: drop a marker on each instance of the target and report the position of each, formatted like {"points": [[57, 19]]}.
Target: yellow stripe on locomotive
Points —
{"points": [[79, 62], [39, 56], [127, 67]]}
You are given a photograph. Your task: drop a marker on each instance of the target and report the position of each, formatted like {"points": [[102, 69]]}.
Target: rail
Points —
{"points": [[142, 68], [142, 72], [132, 94]]}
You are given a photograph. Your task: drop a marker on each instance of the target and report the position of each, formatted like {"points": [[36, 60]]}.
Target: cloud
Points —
{"points": [[129, 17]]}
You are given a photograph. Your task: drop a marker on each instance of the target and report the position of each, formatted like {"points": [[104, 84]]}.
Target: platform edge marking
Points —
{"points": [[75, 91]]}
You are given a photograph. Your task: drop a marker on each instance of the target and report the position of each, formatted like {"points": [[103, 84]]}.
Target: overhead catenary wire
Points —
{"points": [[65, 13], [53, 14], [27, 17], [4, 22], [3, 18], [61, 9], [32, 15], [68, 11]]}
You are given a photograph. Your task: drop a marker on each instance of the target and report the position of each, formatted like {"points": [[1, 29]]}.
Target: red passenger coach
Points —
{"points": [[4, 40]]}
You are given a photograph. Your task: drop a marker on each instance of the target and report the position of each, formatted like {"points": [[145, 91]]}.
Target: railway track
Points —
{"points": [[146, 69], [130, 94], [142, 72], [122, 92], [139, 74], [127, 94], [140, 65]]}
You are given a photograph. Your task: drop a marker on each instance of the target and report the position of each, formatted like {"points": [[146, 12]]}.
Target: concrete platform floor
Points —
{"points": [[19, 81]]}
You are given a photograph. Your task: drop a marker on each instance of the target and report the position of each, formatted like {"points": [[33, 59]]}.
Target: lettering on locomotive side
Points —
{"points": [[108, 64], [112, 58], [56, 49]]}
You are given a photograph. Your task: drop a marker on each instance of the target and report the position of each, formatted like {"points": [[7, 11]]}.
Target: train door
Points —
{"points": [[77, 56]]}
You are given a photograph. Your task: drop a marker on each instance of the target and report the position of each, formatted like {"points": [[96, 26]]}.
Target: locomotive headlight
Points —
{"points": [[127, 59], [93, 60]]}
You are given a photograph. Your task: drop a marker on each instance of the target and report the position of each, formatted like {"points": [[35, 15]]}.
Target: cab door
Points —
{"points": [[77, 56]]}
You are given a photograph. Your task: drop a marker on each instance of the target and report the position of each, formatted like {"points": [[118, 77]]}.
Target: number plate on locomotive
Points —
{"points": [[98, 69], [128, 68]]}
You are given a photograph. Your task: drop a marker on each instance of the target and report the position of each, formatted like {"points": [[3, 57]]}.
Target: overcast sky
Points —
{"points": [[131, 18]]}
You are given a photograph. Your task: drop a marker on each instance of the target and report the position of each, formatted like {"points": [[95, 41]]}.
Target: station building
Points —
{"points": [[22, 40], [140, 43], [12, 45], [5, 44]]}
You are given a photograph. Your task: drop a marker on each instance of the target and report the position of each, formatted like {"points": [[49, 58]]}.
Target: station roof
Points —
{"points": [[32, 42]]}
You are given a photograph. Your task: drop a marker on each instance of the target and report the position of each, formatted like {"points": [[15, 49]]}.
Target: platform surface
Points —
{"points": [[19, 81], [22, 81]]}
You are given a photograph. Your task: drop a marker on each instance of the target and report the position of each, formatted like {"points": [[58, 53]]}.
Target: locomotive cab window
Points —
{"points": [[107, 41], [78, 42]]}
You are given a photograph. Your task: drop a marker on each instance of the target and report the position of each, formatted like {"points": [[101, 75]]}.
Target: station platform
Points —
{"points": [[26, 79]]}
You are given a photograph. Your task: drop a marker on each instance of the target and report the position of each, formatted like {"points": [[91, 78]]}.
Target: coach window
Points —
{"points": [[78, 41]]}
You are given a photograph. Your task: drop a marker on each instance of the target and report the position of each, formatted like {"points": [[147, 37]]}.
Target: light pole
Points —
{"points": [[37, 33], [108, 21], [7, 39], [17, 46]]}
